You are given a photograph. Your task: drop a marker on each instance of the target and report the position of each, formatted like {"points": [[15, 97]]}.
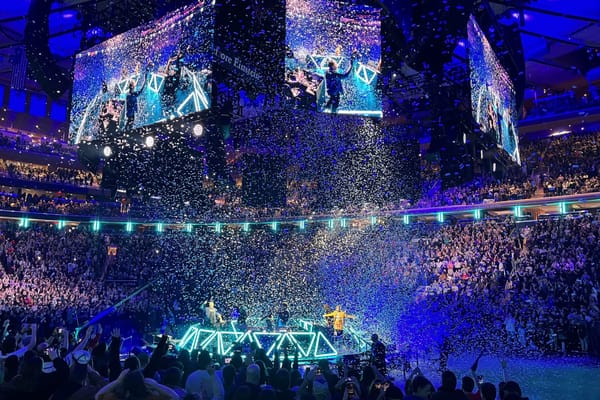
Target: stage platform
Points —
{"points": [[312, 341]]}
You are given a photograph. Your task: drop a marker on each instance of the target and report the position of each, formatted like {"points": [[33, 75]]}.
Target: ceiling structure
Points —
{"points": [[561, 38]]}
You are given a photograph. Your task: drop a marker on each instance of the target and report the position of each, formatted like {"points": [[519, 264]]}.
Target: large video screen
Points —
{"points": [[492, 93], [153, 73], [333, 56]]}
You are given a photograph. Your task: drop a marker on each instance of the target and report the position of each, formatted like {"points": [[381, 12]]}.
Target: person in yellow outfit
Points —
{"points": [[339, 320]]}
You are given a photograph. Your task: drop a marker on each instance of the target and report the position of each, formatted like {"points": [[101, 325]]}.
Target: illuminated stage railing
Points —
{"points": [[310, 341]]}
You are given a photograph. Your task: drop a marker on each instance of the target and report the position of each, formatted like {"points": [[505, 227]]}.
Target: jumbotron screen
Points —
{"points": [[492, 93], [147, 75], [333, 56]]}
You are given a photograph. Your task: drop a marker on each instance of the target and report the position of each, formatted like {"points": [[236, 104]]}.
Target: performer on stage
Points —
{"points": [[283, 316], [212, 315], [333, 81], [339, 320], [269, 321], [328, 319], [378, 355]]}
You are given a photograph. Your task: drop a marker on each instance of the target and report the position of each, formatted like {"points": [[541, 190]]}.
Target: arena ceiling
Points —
{"points": [[561, 38]]}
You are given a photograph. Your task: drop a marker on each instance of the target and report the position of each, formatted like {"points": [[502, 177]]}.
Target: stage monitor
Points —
{"points": [[333, 57], [492, 93], [150, 74]]}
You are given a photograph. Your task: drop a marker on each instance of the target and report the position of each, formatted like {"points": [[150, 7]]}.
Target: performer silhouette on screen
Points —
{"points": [[131, 102], [172, 79], [333, 82]]}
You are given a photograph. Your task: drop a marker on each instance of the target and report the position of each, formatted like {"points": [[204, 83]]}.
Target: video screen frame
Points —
{"points": [[333, 57], [493, 96], [148, 75]]}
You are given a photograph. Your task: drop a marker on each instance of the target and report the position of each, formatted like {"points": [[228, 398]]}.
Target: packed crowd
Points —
{"points": [[67, 205], [22, 141], [61, 367], [39, 173], [534, 288], [551, 267], [480, 190], [567, 164], [518, 283], [556, 103], [55, 280], [551, 167]]}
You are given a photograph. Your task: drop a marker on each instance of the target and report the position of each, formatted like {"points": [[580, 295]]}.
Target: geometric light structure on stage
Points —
{"points": [[357, 339], [197, 100], [366, 73], [155, 82], [311, 344], [322, 61], [123, 84]]}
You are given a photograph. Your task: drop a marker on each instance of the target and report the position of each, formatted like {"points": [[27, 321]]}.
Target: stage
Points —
{"points": [[312, 341]]}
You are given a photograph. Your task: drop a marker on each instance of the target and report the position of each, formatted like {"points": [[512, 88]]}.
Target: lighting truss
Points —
{"points": [[311, 344]]}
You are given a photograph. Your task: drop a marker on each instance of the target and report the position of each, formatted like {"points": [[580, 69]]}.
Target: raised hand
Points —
{"points": [[52, 353], [162, 347]]}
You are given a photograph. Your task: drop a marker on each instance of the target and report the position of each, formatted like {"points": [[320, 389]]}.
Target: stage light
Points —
{"points": [[246, 226], [560, 133], [218, 227], [343, 222], [330, 223], [406, 219], [373, 220], [518, 211], [149, 141], [129, 226], [61, 224], [160, 227], [440, 217], [188, 227], [274, 226], [96, 225], [302, 225], [477, 214], [363, 113], [562, 207], [198, 130], [107, 151], [24, 222]]}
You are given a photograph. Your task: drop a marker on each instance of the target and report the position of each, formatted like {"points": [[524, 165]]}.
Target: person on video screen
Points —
{"points": [[333, 82], [172, 80], [131, 101]]}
